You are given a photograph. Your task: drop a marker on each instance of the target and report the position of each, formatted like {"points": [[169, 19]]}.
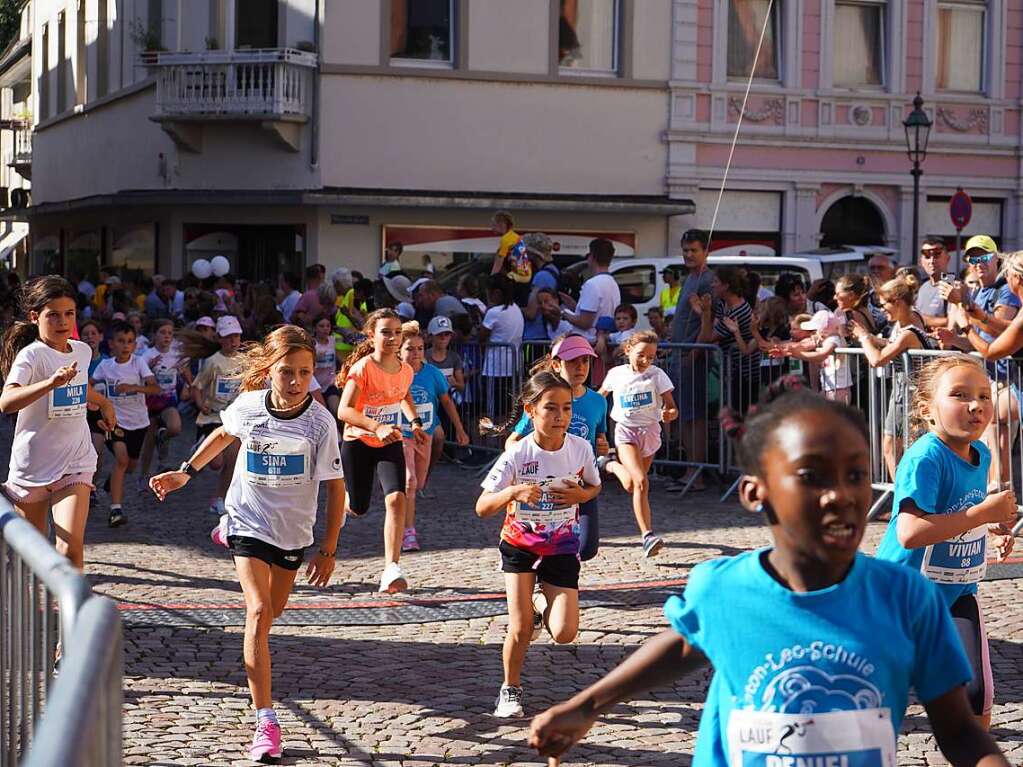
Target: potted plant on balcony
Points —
{"points": [[147, 40]]}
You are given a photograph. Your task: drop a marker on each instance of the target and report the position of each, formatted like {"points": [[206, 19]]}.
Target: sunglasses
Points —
{"points": [[977, 260]]}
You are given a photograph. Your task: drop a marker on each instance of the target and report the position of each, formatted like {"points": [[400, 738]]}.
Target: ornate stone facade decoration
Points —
{"points": [[975, 118], [771, 109]]}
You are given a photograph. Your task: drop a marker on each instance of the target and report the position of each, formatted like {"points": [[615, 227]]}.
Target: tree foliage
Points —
{"points": [[10, 20]]}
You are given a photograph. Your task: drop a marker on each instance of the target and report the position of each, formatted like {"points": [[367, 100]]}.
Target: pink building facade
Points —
{"points": [[821, 157]]}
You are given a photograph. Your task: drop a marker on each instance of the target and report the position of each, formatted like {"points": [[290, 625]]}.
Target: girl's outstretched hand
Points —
{"points": [[319, 570], [168, 482], [554, 731]]}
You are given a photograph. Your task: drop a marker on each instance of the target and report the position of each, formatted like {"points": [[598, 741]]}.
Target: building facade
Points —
{"points": [[286, 132], [821, 157]]}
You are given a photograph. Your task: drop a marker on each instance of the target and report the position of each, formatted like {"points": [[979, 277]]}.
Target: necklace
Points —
{"points": [[290, 408]]}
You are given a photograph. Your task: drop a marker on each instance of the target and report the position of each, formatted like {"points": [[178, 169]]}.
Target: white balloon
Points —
{"points": [[201, 268], [220, 265]]}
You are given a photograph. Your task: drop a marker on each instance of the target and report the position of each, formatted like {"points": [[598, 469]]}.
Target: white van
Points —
{"points": [[641, 281]]}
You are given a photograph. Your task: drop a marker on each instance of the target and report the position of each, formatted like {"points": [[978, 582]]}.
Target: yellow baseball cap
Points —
{"points": [[981, 242]]}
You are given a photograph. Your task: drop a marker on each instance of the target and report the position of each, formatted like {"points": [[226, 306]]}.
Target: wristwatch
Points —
{"points": [[188, 469]]}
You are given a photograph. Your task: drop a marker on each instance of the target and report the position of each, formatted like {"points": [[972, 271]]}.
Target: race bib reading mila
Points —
{"points": [[960, 560], [863, 738], [68, 401], [276, 461], [384, 414]]}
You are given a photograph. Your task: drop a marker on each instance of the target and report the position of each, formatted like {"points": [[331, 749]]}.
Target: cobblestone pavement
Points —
{"points": [[419, 694]]}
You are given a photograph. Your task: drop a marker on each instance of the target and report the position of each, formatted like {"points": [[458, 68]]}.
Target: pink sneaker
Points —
{"points": [[266, 743], [410, 541], [218, 533]]}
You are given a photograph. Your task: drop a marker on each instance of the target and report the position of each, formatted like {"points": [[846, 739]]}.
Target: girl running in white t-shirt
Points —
{"points": [[326, 361], [641, 400], [46, 382], [539, 483], [216, 385], [171, 369], [288, 446]]}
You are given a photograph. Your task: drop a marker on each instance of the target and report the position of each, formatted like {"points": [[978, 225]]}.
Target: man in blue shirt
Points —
{"points": [[688, 370]]}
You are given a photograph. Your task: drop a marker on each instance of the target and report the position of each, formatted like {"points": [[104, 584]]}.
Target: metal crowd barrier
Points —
{"points": [[75, 718]]}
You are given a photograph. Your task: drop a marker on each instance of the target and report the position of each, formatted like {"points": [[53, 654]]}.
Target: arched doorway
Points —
{"points": [[852, 221]]}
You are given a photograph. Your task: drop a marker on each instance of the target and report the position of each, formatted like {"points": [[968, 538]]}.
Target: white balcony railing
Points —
{"points": [[257, 84], [22, 147]]}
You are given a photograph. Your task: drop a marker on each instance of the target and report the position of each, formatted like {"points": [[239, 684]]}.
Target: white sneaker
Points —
{"points": [[509, 702], [393, 580]]}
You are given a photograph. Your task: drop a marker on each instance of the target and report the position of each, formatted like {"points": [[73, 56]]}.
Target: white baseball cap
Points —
{"points": [[406, 310], [228, 325], [205, 322]]}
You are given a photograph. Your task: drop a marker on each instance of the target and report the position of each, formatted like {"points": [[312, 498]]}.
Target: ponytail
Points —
{"points": [[364, 348], [33, 297], [195, 345], [532, 390]]}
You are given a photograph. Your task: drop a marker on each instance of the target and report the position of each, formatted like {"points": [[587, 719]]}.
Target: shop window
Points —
{"points": [[859, 44], [637, 283], [422, 30], [746, 19], [588, 35], [960, 46], [133, 248]]}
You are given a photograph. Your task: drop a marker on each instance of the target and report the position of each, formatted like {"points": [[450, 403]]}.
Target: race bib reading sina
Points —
{"points": [[960, 560], [68, 401], [863, 738], [276, 461], [387, 415], [227, 388]]}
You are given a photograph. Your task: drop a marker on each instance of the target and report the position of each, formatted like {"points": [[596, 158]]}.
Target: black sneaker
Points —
{"points": [[116, 518], [652, 545]]}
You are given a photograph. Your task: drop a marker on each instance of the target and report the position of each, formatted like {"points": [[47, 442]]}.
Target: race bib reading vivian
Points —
{"points": [[276, 461], [387, 415], [227, 388], [863, 738], [960, 560], [68, 401]]}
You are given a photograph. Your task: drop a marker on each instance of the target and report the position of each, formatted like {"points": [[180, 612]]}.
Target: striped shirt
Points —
{"points": [[740, 363], [280, 464]]}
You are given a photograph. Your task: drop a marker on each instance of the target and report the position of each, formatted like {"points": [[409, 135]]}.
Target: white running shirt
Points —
{"points": [[279, 468], [130, 408], [636, 397]]}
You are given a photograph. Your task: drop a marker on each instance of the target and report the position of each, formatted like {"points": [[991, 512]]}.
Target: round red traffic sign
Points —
{"points": [[960, 209]]}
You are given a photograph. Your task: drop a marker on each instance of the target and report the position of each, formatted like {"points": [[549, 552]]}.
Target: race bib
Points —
{"points": [[546, 514], [112, 391], [227, 388], [100, 387], [277, 461], [863, 738], [448, 373], [325, 359], [388, 415], [639, 399], [68, 401], [167, 380], [960, 560]]}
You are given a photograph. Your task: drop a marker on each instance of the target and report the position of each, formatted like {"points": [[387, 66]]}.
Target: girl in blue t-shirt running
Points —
{"points": [[942, 510], [814, 645], [570, 358], [429, 390]]}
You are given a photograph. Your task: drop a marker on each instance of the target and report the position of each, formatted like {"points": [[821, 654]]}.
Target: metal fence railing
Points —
{"points": [[45, 604]]}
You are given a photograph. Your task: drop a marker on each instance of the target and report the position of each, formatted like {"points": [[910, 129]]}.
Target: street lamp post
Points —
{"points": [[918, 131]]}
